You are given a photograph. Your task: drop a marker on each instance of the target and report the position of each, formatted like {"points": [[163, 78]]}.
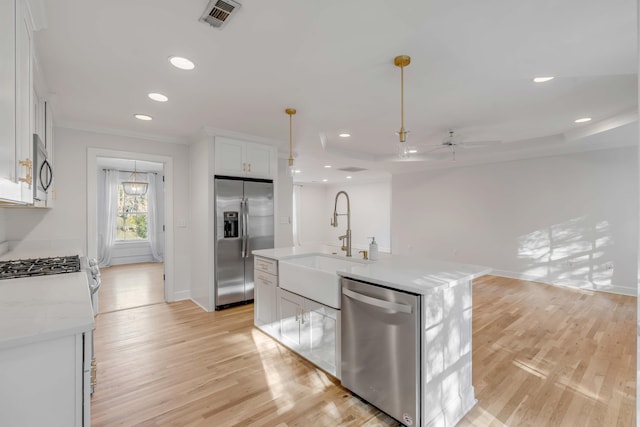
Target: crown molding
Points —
{"points": [[243, 136], [106, 130]]}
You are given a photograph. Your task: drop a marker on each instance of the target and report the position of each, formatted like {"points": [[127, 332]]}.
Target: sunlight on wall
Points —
{"points": [[572, 253]]}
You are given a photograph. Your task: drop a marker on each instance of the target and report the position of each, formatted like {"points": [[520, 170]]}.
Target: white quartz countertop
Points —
{"points": [[411, 274], [44, 307]]}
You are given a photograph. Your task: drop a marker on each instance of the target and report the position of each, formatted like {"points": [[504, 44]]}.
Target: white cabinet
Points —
{"points": [[290, 315], [8, 100], [265, 299], [241, 158], [16, 121], [311, 329], [43, 384], [323, 336]]}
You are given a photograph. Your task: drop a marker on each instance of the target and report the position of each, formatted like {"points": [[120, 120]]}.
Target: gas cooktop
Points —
{"points": [[39, 267]]}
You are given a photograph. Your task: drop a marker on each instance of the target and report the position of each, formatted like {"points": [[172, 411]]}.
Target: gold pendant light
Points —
{"points": [[132, 186], [291, 112], [402, 61]]}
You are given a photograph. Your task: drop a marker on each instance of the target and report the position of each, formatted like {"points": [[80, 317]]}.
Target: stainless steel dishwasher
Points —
{"points": [[380, 348]]}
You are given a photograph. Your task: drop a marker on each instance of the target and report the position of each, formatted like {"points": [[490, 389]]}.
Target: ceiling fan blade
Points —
{"points": [[439, 147], [480, 143]]}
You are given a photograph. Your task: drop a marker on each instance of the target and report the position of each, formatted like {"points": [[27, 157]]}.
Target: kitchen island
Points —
{"points": [[443, 341], [45, 332]]}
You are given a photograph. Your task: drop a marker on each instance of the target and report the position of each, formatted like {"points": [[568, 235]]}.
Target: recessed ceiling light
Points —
{"points": [[583, 120], [158, 97], [182, 63], [327, 166], [325, 180], [542, 79], [349, 177], [344, 134], [143, 117]]}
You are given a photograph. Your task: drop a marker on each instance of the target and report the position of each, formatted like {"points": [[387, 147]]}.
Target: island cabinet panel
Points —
{"points": [[448, 391]]}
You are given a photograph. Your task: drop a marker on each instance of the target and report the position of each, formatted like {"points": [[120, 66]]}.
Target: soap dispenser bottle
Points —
{"points": [[373, 249]]}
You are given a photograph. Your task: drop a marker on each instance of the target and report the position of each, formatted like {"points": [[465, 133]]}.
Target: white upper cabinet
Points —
{"points": [[9, 188], [16, 103], [242, 158]]}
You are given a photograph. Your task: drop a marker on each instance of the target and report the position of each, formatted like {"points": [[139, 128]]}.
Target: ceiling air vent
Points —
{"points": [[218, 12]]}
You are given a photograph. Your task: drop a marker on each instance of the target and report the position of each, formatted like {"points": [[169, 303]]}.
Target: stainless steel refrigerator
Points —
{"points": [[243, 223]]}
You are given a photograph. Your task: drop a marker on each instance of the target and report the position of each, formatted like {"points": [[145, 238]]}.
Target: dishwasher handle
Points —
{"points": [[387, 305]]}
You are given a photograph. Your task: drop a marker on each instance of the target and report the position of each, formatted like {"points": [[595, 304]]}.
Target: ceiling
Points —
{"points": [[472, 65]]}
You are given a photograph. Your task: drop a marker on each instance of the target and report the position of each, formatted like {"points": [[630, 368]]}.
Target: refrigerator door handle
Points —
{"points": [[246, 228], [243, 213]]}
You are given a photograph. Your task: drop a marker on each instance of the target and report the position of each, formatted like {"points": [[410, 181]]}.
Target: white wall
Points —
{"points": [[370, 213], [68, 219], [201, 219], [564, 220], [284, 209], [314, 214]]}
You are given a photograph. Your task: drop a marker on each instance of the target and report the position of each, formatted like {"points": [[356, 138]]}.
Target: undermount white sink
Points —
{"points": [[314, 276]]}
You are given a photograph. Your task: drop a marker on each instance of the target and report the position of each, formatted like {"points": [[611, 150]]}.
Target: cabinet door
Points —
{"points": [[24, 99], [265, 300], [322, 335], [7, 89], [230, 157], [258, 160], [290, 310]]}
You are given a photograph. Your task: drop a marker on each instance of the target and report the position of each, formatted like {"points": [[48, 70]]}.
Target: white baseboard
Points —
{"points": [[585, 286], [198, 304], [181, 295]]}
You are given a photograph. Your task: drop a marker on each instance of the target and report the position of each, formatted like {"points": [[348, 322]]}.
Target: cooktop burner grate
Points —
{"points": [[39, 267]]}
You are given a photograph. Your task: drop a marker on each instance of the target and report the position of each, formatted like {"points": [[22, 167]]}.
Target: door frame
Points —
{"points": [[92, 207]]}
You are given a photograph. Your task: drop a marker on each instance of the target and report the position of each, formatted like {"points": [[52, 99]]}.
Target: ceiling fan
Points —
{"points": [[454, 142]]}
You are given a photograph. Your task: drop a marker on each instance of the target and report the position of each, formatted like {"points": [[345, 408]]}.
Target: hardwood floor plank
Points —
{"points": [[131, 285], [542, 356]]}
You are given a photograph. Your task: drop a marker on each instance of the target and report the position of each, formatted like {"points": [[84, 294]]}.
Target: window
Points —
{"points": [[132, 217]]}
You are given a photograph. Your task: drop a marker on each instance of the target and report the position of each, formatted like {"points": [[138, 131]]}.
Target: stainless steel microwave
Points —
{"points": [[42, 171]]}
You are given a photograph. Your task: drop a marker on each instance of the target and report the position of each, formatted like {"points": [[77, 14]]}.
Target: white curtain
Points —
{"points": [[111, 184], [152, 217]]}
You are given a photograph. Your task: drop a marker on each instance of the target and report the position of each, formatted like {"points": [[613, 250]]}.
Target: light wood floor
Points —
{"points": [[542, 356], [130, 285]]}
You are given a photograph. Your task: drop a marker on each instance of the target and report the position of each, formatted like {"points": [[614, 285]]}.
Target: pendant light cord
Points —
{"points": [[402, 99], [290, 112], [290, 140]]}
